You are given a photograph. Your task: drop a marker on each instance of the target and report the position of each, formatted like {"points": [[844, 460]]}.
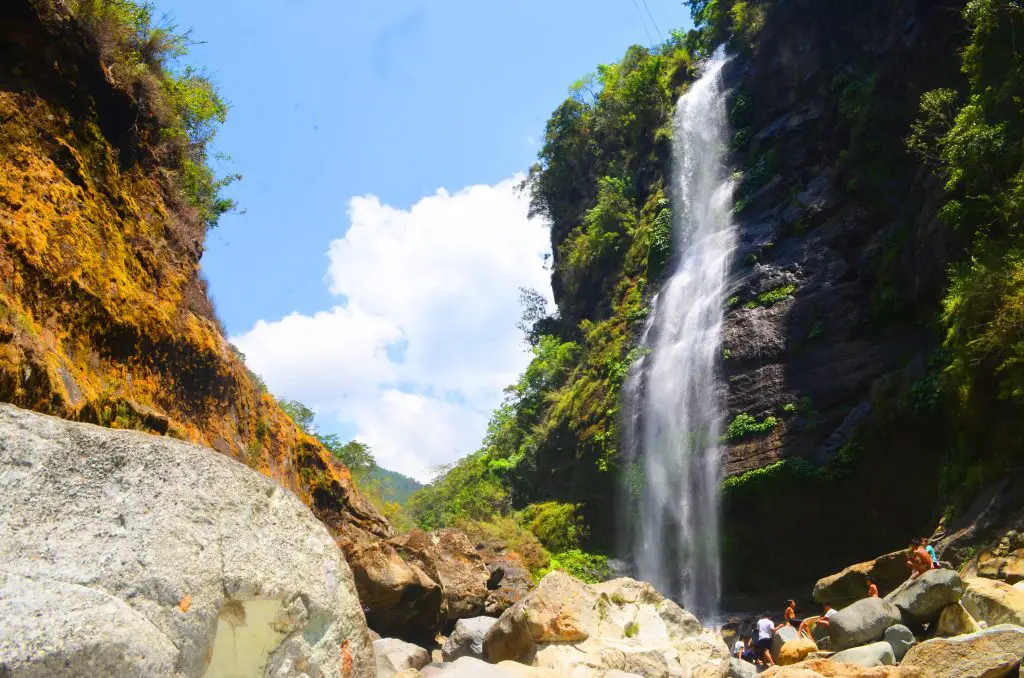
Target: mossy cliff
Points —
{"points": [[104, 316], [871, 350]]}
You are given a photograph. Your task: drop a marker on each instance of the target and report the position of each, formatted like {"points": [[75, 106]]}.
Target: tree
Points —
{"points": [[301, 415], [353, 454], [535, 321]]}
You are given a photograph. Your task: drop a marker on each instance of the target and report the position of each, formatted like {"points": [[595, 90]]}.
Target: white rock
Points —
{"points": [[130, 554], [395, 656], [467, 638]]}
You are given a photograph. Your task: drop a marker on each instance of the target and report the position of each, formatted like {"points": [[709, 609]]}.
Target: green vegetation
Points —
{"points": [[744, 425], [587, 567], [972, 140], [776, 295], [141, 55], [632, 629]]}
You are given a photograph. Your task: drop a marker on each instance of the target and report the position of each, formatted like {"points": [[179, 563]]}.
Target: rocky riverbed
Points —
{"points": [[127, 554]]}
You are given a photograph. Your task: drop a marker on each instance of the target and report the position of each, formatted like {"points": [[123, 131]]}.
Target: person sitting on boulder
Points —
{"points": [[920, 562], [931, 552], [765, 631], [805, 626], [872, 588]]}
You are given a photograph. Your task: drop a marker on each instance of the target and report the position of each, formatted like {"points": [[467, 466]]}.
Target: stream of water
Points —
{"points": [[674, 416]]}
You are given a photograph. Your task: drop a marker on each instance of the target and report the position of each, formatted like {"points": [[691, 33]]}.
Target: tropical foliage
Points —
{"points": [[141, 53]]}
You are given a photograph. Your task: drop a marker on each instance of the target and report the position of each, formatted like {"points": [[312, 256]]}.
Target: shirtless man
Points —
{"points": [[872, 588], [920, 562], [790, 616]]}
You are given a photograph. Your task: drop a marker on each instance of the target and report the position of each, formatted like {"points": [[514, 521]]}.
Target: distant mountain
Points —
{"points": [[393, 485]]}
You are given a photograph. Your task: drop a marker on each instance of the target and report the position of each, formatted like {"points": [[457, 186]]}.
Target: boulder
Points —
{"points": [[462, 574], [954, 620], [509, 579], [994, 602], [826, 668], [861, 623], [395, 656], [901, 639], [875, 654], [849, 585], [795, 651], [921, 600], [1004, 560], [569, 627], [470, 667], [467, 638], [401, 599], [741, 669], [786, 634], [129, 554], [992, 652]]}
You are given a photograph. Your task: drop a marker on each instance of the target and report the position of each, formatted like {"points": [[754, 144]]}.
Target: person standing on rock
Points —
{"points": [[872, 588], [738, 648], [920, 562], [765, 631], [789, 616]]}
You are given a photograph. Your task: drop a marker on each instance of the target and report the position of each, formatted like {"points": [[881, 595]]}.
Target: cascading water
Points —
{"points": [[672, 397]]}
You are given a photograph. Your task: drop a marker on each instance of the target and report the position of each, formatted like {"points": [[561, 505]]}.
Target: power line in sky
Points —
{"points": [[653, 22], [643, 23]]}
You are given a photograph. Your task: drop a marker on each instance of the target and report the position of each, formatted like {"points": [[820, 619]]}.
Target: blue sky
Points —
{"points": [[375, 273]]}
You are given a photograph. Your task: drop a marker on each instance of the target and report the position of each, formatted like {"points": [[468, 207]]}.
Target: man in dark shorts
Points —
{"points": [[765, 630]]}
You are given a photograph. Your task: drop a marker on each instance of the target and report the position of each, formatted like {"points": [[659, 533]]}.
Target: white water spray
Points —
{"points": [[673, 397]]}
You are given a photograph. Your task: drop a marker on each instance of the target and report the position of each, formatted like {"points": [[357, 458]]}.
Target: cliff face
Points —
{"points": [[104, 316], [836, 288]]}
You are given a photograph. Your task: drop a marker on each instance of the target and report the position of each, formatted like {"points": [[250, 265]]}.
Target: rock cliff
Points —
{"points": [[104, 315]]}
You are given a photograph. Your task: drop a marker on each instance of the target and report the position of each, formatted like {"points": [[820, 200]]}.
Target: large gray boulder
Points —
{"points": [[125, 554], [571, 628], [921, 600], [901, 639], [394, 656], [861, 623], [993, 652], [741, 669], [874, 654], [467, 638]]}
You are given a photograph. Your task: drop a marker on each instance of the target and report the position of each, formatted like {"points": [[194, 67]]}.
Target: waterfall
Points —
{"points": [[672, 398]]}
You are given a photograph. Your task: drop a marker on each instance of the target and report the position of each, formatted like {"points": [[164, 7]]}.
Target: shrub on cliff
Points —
{"points": [[139, 54]]}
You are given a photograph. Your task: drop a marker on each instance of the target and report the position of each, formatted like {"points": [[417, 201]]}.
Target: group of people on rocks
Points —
{"points": [[756, 646]]}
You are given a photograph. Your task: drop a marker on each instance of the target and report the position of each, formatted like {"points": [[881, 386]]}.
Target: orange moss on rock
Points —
{"points": [[104, 316]]}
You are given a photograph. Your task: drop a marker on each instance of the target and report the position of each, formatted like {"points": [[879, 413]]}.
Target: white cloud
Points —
{"points": [[425, 339]]}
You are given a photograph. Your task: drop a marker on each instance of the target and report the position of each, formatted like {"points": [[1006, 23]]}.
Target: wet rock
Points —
{"points": [[394, 656], [993, 602], [901, 639], [875, 654], [954, 620], [129, 554], [861, 623], [467, 638], [992, 652], [921, 600]]}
